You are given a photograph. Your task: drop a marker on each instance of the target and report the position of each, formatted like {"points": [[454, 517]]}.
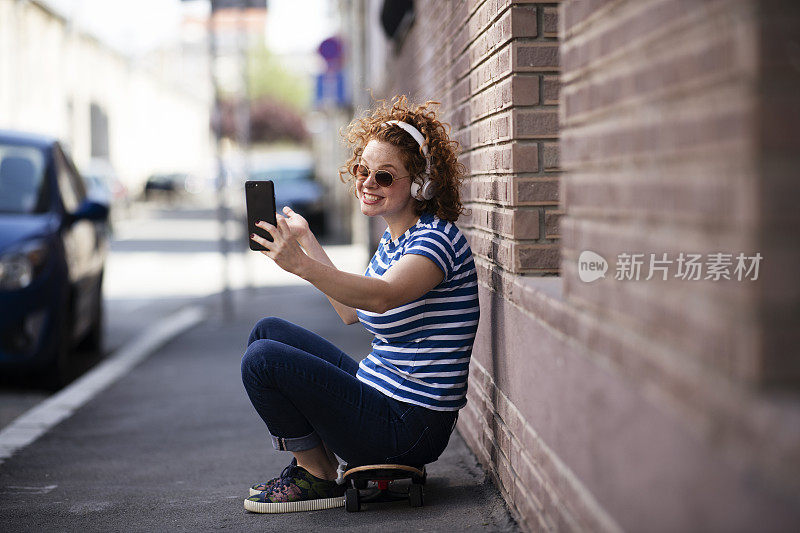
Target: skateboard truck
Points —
{"points": [[358, 478]]}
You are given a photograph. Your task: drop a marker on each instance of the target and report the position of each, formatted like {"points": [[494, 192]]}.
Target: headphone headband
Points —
{"points": [[428, 187], [414, 132]]}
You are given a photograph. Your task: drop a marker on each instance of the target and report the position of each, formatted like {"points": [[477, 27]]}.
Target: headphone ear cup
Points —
{"points": [[415, 190], [428, 189]]}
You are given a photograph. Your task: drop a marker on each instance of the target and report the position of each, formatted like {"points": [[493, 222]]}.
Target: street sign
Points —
{"points": [[331, 89]]}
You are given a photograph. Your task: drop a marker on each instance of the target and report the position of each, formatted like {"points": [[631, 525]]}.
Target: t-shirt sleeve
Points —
{"points": [[436, 246]]}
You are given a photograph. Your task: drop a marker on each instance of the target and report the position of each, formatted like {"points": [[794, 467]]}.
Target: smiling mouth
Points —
{"points": [[370, 198]]}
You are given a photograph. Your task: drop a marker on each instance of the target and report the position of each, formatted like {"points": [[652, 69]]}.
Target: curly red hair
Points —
{"points": [[445, 170]]}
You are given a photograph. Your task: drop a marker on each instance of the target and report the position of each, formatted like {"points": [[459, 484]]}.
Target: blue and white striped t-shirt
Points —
{"points": [[421, 350]]}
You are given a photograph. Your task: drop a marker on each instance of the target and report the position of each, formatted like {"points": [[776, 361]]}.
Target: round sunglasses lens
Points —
{"points": [[383, 178], [359, 171]]}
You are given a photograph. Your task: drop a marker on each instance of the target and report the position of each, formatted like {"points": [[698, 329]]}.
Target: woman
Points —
{"points": [[418, 297]]}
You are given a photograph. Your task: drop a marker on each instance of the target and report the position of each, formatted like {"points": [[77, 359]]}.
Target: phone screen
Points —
{"points": [[260, 198]]}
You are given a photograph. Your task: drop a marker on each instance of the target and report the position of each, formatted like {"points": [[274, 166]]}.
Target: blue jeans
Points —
{"points": [[306, 391]]}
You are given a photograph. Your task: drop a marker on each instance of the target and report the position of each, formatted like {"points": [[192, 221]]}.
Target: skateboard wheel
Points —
{"points": [[352, 501], [415, 495]]}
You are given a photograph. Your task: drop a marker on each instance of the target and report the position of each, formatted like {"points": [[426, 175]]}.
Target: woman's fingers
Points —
{"points": [[272, 230], [288, 210], [283, 225], [260, 240]]}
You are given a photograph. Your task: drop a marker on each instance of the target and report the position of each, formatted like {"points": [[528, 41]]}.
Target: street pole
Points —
{"points": [[222, 210], [244, 112]]}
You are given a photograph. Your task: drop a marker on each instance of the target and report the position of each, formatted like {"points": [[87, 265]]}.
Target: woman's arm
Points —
{"points": [[409, 278]]}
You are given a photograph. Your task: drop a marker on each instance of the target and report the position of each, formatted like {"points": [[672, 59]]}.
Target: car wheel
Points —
{"points": [[59, 373], [92, 342]]}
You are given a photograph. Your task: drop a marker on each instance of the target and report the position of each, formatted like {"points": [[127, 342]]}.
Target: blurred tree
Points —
{"points": [[270, 121], [268, 77], [279, 100]]}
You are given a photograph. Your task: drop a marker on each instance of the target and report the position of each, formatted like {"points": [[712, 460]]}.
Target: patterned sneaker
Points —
{"points": [[258, 488], [296, 490]]}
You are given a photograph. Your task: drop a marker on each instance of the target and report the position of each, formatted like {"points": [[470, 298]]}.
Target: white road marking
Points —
{"points": [[38, 420], [28, 490]]}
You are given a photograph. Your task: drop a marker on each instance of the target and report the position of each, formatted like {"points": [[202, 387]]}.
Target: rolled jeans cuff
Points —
{"points": [[297, 444]]}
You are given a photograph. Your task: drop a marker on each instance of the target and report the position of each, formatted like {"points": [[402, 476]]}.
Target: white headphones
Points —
{"points": [[428, 187]]}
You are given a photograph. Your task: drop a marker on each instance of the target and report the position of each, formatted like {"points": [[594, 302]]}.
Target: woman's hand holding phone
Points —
{"points": [[284, 248], [298, 226]]}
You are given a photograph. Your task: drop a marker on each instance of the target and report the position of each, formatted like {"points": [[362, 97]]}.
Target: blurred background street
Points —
{"points": [[161, 109]]}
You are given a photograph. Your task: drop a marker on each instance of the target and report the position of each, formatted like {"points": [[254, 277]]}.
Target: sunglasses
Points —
{"points": [[384, 178]]}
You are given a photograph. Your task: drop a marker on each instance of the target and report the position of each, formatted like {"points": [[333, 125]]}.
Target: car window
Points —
{"points": [[21, 178], [69, 183]]}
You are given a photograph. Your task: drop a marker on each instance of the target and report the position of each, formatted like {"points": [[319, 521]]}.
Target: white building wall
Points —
{"points": [[51, 74]]}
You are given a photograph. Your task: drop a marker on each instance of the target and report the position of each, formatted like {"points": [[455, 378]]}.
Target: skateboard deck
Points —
{"points": [[374, 483]]}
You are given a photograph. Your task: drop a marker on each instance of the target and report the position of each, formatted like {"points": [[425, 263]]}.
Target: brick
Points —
{"points": [[526, 224], [523, 22], [711, 201], [460, 91], [514, 23], [669, 136], [539, 257], [496, 67], [552, 220], [550, 22], [625, 32], [519, 90], [494, 98], [516, 223], [535, 124], [525, 90], [525, 157], [491, 159], [577, 11], [459, 116], [704, 60], [460, 39], [492, 190], [550, 156], [550, 90], [503, 158], [485, 14], [497, 250], [537, 191], [540, 56], [493, 129]]}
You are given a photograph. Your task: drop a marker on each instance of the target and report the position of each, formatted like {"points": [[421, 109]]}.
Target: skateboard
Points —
{"points": [[371, 483]]}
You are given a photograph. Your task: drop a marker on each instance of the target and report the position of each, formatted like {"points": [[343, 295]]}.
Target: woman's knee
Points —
{"points": [[267, 328], [255, 361]]}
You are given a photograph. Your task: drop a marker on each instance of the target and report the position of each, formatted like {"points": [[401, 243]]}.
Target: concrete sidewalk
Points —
{"points": [[175, 444]]}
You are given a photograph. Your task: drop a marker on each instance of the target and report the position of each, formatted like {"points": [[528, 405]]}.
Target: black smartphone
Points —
{"points": [[260, 198]]}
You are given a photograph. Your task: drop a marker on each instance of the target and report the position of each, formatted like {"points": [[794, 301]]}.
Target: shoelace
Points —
{"points": [[287, 474]]}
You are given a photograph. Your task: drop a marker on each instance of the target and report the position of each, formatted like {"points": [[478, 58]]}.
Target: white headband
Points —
{"points": [[414, 132]]}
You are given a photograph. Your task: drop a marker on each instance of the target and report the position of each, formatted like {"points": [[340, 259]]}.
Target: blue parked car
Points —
{"points": [[53, 244]]}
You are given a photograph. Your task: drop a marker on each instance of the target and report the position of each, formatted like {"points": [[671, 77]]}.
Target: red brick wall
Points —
{"points": [[614, 405], [659, 145], [779, 166], [494, 67]]}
